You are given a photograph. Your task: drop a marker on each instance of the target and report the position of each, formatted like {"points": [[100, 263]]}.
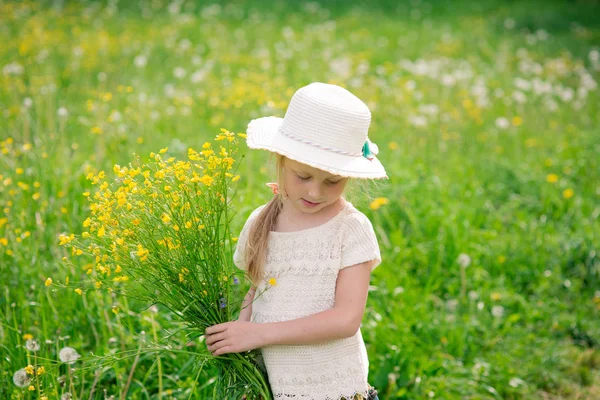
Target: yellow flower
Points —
{"points": [[165, 218], [378, 202], [41, 370], [115, 310], [272, 281], [205, 292], [235, 178], [393, 145], [31, 388], [27, 336], [29, 369], [181, 277], [568, 193], [552, 178], [163, 151], [48, 282], [101, 231], [78, 291], [98, 284], [495, 296], [516, 121], [207, 180]]}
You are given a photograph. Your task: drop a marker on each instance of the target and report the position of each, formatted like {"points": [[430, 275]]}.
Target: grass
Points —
{"points": [[486, 114]]}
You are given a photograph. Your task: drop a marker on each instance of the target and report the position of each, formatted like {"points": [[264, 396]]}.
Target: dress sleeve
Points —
{"points": [[240, 247], [359, 242]]}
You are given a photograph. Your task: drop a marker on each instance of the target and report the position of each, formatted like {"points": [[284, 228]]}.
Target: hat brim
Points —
{"points": [[264, 133]]}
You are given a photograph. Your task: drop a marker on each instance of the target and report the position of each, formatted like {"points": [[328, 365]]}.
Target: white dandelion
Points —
{"points": [[66, 396], [140, 61], [68, 355], [502, 122], [21, 379], [463, 260], [32, 345], [13, 69], [179, 73], [497, 311], [63, 112]]}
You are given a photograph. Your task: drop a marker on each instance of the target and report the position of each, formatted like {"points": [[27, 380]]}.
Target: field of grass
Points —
{"points": [[486, 114]]}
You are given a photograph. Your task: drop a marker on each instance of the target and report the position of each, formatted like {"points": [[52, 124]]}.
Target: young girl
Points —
{"points": [[309, 251]]}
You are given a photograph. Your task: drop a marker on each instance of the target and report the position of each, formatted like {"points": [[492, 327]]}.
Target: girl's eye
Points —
{"points": [[303, 178], [333, 183]]}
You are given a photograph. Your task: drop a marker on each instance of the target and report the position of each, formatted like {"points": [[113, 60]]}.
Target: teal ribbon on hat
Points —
{"points": [[366, 150]]}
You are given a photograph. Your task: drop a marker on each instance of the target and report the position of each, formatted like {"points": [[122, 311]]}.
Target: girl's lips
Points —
{"points": [[309, 204]]}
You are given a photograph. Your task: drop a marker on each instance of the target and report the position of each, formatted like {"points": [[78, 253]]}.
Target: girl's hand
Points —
{"points": [[233, 337]]}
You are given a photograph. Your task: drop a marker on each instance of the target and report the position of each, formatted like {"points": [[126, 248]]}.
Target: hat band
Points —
{"points": [[310, 142]]}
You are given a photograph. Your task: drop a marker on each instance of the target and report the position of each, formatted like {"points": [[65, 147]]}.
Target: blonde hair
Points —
{"points": [[256, 245]]}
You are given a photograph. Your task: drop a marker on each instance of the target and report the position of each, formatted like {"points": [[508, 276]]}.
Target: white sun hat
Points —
{"points": [[325, 126]]}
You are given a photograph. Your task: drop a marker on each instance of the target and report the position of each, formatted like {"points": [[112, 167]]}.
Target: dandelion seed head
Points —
{"points": [[20, 378], [68, 355], [32, 345]]}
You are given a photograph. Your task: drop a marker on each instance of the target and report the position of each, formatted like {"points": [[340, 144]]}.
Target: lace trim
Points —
{"points": [[364, 394]]}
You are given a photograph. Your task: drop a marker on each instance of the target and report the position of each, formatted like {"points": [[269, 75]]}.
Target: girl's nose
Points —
{"points": [[315, 193]]}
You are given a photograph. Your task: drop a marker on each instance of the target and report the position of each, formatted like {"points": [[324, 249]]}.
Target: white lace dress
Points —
{"points": [[306, 265]]}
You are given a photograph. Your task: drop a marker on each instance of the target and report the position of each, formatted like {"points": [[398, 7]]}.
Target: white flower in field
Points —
{"points": [[594, 56], [502, 122], [78, 51], [32, 345], [62, 112], [21, 379], [184, 44], [451, 305], [542, 35], [140, 61], [516, 382], [522, 84], [429, 109], [541, 87], [473, 295], [448, 80], [410, 85], [13, 69], [567, 283], [587, 82], [463, 260], [566, 94], [68, 355], [497, 311], [480, 305], [417, 120], [170, 90], [341, 67], [519, 97], [66, 396], [179, 73], [509, 23], [27, 102], [198, 76]]}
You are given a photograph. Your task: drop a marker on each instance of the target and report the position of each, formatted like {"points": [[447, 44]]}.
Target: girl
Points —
{"points": [[311, 249]]}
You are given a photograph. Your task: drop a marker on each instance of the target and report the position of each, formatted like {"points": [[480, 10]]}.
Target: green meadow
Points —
{"points": [[487, 118]]}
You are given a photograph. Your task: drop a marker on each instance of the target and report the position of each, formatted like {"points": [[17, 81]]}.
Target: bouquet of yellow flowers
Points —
{"points": [[160, 232]]}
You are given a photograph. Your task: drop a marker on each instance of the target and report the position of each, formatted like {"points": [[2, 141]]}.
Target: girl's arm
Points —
{"points": [[246, 311]]}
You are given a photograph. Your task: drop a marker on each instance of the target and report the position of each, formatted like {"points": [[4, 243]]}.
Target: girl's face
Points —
{"points": [[310, 189]]}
